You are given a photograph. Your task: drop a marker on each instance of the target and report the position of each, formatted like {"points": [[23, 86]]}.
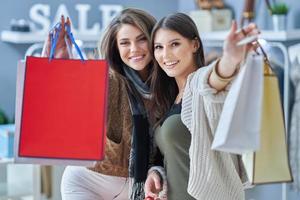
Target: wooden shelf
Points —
{"points": [[35, 37], [6, 161], [282, 36], [25, 197], [31, 37]]}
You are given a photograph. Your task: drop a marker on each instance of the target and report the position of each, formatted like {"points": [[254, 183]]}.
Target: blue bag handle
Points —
{"points": [[54, 39]]}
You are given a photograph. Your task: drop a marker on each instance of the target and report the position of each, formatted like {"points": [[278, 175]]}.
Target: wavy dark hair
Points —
{"points": [[164, 88], [108, 48]]}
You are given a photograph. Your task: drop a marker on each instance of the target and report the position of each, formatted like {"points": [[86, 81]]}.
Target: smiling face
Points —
{"points": [[133, 47], [174, 53]]}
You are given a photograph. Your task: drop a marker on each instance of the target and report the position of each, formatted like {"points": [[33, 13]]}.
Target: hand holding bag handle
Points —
{"points": [[55, 36], [62, 42], [59, 41]]}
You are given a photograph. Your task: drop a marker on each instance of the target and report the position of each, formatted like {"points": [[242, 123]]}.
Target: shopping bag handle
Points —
{"points": [[267, 67], [54, 39]]}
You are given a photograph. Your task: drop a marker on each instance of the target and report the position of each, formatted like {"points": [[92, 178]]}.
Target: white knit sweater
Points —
{"points": [[213, 174]]}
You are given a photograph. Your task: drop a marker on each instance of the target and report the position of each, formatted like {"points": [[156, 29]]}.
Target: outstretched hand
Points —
{"points": [[63, 41], [234, 53]]}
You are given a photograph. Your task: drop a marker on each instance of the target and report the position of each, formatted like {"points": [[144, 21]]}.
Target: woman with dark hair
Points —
{"points": [[188, 99], [129, 151]]}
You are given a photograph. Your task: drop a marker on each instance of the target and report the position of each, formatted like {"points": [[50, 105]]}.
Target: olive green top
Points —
{"points": [[173, 140]]}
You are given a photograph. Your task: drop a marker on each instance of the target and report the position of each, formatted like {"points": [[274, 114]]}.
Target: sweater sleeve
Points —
{"points": [[118, 107], [201, 109], [213, 100]]}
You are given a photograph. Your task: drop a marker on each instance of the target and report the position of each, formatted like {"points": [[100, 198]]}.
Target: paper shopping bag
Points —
{"points": [[270, 163], [60, 111], [238, 129]]}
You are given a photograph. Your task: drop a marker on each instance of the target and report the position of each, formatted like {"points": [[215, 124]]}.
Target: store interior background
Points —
{"points": [[10, 53]]}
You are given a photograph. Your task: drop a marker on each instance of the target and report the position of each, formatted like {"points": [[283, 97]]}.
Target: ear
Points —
{"points": [[196, 44]]}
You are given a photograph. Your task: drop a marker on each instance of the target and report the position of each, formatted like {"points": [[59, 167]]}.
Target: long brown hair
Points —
{"points": [[164, 88], [108, 46]]}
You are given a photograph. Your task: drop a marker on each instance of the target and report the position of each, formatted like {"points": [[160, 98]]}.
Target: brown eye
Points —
{"points": [[174, 44], [124, 43], [156, 47], [143, 39]]}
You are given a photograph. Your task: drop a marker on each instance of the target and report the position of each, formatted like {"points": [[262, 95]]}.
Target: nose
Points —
{"points": [[134, 47], [165, 53]]}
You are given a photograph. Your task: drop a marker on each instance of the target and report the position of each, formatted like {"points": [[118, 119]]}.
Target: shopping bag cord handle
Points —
{"points": [[265, 56], [269, 68], [54, 38], [70, 34]]}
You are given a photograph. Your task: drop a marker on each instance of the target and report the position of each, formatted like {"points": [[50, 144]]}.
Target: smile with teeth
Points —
{"points": [[171, 64], [137, 58]]}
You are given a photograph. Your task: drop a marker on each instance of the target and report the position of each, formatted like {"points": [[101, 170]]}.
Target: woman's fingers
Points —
{"points": [[47, 46], [248, 38], [68, 40], [233, 29], [152, 185], [63, 44], [247, 31], [62, 50], [68, 22], [62, 30], [252, 46], [252, 30], [239, 42]]}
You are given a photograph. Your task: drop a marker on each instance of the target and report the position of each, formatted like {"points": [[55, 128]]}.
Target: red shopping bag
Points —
{"points": [[61, 111]]}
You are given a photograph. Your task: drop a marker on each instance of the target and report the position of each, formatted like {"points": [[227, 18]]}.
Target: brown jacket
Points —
{"points": [[119, 128]]}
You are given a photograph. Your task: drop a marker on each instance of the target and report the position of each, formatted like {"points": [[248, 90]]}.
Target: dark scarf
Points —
{"points": [[141, 134]]}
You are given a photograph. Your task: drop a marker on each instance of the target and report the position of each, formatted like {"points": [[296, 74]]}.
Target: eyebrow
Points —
{"points": [[173, 40], [176, 39], [140, 36], [137, 37]]}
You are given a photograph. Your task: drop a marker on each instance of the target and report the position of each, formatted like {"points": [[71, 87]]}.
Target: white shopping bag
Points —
{"points": [[238, 130]]}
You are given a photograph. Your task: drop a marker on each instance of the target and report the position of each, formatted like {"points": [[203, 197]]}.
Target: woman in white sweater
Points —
{"points": [[188, 100]]}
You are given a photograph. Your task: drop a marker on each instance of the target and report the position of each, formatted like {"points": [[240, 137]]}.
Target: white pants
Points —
{"points": [[79, 183]]}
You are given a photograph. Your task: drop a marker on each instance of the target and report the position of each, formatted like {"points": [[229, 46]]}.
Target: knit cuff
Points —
{"points": [[161, 172], [205, 89]]}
